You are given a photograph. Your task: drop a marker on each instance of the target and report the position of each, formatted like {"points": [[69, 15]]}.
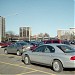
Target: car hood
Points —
{"points": [[27, 45]]}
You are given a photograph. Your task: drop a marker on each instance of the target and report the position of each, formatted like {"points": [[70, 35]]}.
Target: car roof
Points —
{"points": [[53, 44]]}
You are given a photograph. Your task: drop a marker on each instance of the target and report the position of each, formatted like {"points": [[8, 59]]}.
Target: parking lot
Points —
{"points": [[12, 64]]}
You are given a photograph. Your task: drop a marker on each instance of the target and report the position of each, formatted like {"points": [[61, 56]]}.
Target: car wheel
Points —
{"points": [[5, 51], [18, 53], [26, 60], [57, 66]]}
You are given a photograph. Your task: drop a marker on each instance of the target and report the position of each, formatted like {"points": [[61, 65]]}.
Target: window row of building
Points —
{"points": [[25, 32]]}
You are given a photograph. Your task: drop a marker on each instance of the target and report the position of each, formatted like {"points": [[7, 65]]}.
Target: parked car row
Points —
{"points": [[56, 41], [56, 55], [72, 42], [18, 47]]}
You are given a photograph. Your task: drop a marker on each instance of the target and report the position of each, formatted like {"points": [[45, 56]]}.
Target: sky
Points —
{"points": [[43, 16]]}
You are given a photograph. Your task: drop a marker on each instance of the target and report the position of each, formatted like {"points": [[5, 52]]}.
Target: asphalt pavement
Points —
{"points": [[12, 64]]}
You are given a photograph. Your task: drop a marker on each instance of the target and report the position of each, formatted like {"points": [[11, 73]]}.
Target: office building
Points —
{"points": [[25, 33], [66, 33], [2, 28]]}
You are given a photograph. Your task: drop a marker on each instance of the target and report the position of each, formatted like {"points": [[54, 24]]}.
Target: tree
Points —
{"points": [[10, 32], [67, 35], [40, 35], [46, 35], [9, 35], [72, 37]]}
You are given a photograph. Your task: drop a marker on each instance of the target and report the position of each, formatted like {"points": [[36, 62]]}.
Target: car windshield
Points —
{"points": [[66, 48]]}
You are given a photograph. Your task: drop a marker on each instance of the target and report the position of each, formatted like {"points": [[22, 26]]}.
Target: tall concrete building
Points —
{"points": [[2, 28], [25, 33]]}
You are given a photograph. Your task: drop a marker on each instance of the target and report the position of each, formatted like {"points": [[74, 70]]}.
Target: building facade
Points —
{"points": [[66, 34], [25, 33], [2, 28]]}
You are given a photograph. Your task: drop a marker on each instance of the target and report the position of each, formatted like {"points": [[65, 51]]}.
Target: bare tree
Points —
{"points": [[69, 36], [10, 34]]}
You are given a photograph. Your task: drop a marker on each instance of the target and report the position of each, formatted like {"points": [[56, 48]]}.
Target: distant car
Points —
{"points": [[35, 46], [13, 48], [26, 46], [4, 44], [66, 42], [72, 42], [58, 56], [52, 41]]}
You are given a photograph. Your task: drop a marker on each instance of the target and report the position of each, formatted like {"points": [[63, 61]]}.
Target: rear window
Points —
{"points": [[66, 48]]}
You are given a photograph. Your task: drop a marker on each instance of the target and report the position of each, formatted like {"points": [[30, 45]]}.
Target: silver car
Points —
{"points": [[13, 48], [58, 56], [18, 48]]}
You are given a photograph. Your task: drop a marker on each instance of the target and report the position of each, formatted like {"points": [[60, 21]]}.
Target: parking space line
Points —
{"points": [[9, 55], [27, 68], [6, 55], [20, 63], [46, 72], [26, 73], [2, 54]]}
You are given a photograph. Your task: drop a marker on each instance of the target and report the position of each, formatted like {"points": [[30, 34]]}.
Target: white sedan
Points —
{"points": [[58, 56]]}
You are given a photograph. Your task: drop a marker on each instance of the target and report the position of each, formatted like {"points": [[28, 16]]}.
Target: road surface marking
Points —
{"points": [[26, 73], [10, 55], [27, 68]]}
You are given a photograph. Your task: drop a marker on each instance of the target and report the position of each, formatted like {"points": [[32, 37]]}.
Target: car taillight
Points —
{"points": [[72, 58]]}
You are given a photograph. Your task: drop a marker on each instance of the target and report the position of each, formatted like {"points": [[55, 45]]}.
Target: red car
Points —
{"points": [[4, 44], [52, 41], [33, 47]]}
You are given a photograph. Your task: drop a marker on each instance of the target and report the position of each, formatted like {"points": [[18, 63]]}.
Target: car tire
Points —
{"points": [[57, 66], [27, 60], [5, 51], [18, 53]]}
